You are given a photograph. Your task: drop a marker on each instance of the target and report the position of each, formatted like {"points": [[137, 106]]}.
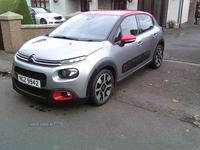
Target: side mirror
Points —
{"points": [[128, 38]]}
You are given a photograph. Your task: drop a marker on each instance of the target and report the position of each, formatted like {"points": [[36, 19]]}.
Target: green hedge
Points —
{"points": [[17, 6]]}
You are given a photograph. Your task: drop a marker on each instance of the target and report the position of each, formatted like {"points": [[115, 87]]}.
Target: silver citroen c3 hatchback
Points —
{"points": [[83, 58]]}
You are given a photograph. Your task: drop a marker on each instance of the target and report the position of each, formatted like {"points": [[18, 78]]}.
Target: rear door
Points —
{"points": [[148, 32]]}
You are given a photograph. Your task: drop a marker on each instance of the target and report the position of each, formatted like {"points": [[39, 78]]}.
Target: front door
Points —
{"points": [[118, 4], [158, 8], [84, 5]]}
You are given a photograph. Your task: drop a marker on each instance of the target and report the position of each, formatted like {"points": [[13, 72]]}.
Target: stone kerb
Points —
{"points": [[10, 26]]}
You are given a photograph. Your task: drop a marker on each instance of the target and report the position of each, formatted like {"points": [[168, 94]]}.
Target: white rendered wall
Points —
{"points": [[28, 2], [71, 6], [94, 5], [132, 5], [186, 6], [58, 7], [173, 8], [64, 7]]}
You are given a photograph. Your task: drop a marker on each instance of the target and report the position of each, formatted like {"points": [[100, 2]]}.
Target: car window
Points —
{"points": [[40, 10], [145, 22], [117, 36], [31, 10], [129, 26], [48, 11]]}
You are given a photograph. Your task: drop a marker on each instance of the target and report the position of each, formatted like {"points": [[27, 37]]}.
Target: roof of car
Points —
{"points": [[116, 12]]}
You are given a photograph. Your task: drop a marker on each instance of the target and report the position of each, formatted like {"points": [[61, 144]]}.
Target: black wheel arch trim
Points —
{"points": [[110, 65], [161, 41]]}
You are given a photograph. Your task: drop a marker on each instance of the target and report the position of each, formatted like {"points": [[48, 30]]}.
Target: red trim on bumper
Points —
{"points": [[58, 95]]}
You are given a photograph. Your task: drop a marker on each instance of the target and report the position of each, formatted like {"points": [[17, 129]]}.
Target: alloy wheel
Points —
{"points": [[103, 87], [159, 56]]}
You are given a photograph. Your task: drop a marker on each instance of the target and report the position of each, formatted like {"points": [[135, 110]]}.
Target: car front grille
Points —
{"points": [[30, 59], [29, 89], [58, 18], [35, 75], [58, 22]]}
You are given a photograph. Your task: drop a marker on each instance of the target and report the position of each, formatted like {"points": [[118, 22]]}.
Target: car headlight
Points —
{"points": [[73, 60], [68, 73]]}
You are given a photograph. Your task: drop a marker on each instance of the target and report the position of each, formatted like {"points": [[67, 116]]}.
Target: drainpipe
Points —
{"points": [[180, 12]]}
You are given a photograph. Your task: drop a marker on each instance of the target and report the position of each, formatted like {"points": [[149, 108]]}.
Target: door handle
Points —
{"points": [[155, 35], [139, 44]]}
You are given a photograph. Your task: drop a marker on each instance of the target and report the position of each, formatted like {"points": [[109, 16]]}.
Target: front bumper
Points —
{"points": [[53, 21], [50, 81], [43, 94]]}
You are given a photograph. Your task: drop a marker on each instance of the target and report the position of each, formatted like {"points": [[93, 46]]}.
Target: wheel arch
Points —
{"points": [[152, 63], [161, 42], [105, 65], [43, 19]]}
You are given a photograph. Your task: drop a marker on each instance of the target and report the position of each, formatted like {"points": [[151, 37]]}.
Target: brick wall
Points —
{"points": [[191, 14], [31, 31], [12, 36]]}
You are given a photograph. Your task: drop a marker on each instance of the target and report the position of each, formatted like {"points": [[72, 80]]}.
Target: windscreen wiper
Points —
{"points": [[65, 37]]}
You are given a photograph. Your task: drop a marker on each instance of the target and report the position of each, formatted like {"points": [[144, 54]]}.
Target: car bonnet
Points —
{"points": [[58, 49]]}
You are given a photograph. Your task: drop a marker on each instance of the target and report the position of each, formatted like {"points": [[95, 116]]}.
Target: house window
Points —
{"points": [[118, 4], [40, 3]]}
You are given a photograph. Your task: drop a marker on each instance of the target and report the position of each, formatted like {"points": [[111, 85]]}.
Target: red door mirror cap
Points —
{"points": [[128, 38]]}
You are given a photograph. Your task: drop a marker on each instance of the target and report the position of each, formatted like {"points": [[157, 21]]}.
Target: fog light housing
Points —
{"points": [[68, 73], [62, 95]]}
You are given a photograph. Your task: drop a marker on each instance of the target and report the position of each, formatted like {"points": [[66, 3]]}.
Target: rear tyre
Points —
{"points": [[43, 21], [157, 58], [102, 87]]}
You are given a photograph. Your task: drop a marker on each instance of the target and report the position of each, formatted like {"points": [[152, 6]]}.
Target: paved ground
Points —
{"points": [[5, 63], [152, 109]]}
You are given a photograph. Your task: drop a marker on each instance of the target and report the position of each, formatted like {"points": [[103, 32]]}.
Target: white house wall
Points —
{"points": [[185, 11], [173, 8], [64, 7], [132, 5], [71, 6], [94, 5], [58, 7], [28, 2]]}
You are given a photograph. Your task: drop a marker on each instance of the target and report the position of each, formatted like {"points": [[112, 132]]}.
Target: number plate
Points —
{"points": [[29, 81]]}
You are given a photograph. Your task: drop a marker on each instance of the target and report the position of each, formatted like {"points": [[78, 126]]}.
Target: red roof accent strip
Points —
{"points": [[117, 12]]}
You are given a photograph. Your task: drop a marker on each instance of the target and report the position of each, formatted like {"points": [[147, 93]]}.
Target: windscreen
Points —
{"points": [[40, 10], [86, 27]]}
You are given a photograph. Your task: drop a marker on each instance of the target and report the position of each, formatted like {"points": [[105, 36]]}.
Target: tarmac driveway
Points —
{"points": [[152, 109]]}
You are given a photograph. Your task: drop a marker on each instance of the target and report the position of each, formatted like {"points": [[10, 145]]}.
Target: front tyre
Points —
{"points": [[43, 21], [102, 87], [157, 58]]}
